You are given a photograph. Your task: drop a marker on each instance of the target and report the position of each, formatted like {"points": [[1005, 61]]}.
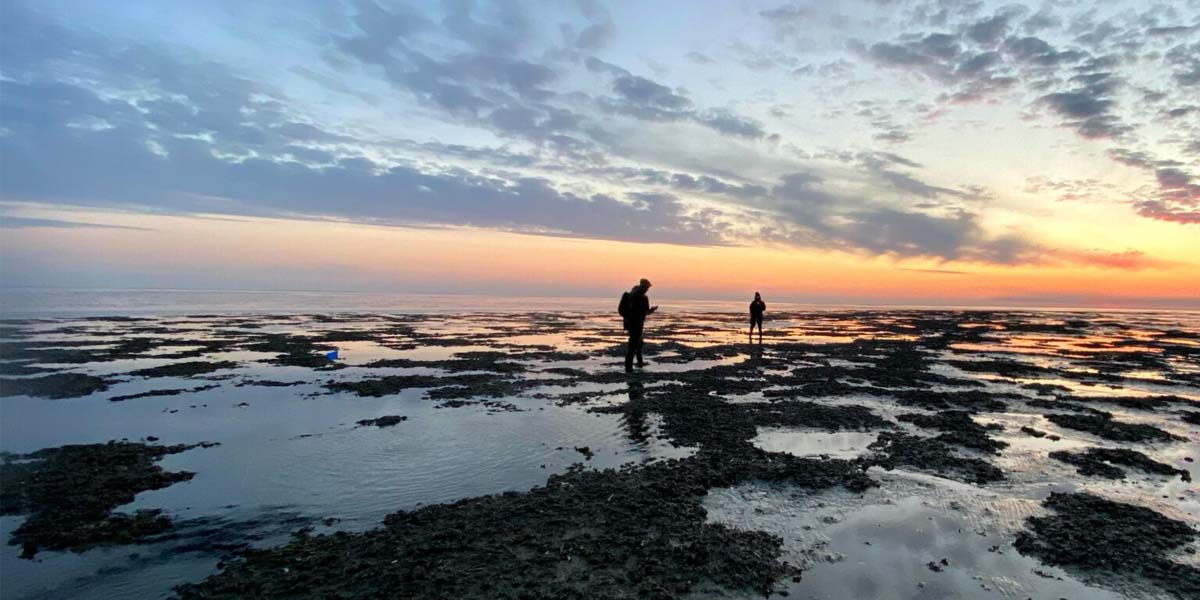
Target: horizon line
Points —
{"points": [[1011, 303]]}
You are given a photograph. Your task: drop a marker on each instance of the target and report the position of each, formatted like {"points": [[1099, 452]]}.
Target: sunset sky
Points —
{"points": [[883, 152]]}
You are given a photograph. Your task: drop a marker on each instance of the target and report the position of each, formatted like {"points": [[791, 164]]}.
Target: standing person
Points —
{"points": [[756, 316], [634, 308]]}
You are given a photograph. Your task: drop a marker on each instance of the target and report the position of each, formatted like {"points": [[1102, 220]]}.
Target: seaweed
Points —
{"points": [[54, 386], [69, 494], [1092, 533]]}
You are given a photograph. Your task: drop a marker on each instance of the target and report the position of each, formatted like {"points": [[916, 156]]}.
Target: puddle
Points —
{"points": [[842, 444], [879, 544]]}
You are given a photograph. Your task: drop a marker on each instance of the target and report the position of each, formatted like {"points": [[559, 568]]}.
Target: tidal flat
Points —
{"points": [[853, 453]]}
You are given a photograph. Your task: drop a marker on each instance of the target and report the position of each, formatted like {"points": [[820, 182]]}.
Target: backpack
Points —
{"points": [[623, 305]]}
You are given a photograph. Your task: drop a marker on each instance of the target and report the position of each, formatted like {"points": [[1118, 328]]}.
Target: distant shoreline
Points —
{"points": [[18, 303]]}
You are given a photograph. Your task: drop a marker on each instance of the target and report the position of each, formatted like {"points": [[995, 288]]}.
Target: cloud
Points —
{"points": [[728, 122], [930, 54], [1129, 260], [711, 185], [542, 135], [988, 31], [599, 31], [935, 271], [876, 165], [642, 98], [1162, 211], [642, 92], [786, 13], [1085, 85], [1039, 52], [1185, 62], [1175, 198], [892, 136], [139, 160], [11, 222], [858, 224], [1088, 108]]}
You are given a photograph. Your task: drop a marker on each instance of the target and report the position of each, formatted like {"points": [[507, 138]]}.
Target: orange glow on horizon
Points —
{"points": [[396, 259]]}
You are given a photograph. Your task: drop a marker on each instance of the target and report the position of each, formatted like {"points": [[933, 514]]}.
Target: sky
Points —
{"points": [[882, 152]]}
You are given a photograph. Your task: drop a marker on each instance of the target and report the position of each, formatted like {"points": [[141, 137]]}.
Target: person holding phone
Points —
{"points": [[634, 308]]}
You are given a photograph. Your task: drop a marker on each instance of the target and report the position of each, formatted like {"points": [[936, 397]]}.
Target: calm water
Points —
{"points": [[291, 456], [34, 303], [38, 303]]}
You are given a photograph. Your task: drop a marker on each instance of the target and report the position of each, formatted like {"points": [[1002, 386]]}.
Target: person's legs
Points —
{"points": [[630, 349], [640, 342], [633, 347]]}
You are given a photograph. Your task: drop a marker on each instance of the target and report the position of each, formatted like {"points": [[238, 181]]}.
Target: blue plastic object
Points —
{"points": [[331, 355]]}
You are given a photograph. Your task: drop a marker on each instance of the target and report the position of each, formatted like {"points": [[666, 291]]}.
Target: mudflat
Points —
{"points": [[970, 454]]}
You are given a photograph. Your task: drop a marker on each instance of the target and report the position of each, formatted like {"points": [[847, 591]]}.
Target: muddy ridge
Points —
{"points": [[1101, 461], [54, 386], [68, 494], [1105, 426], [638, 532], [1090, 532]]}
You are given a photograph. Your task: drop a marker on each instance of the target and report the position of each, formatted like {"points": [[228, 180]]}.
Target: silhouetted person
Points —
{"points": [[757, 308], [634, 307]]}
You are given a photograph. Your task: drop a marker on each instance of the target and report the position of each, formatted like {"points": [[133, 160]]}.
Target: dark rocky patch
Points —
{"points": [[692, 416], [22, 368], [1003, 368], [1190, 416], [931, 454], [394, 384], [565, 371], [496, 406], [1089, 532], [1100, 461], [384, 421], [269, 383], [54, 386], [1066, 405], [1149, 403], [959, 429], [892, 364], [1105, 426], [185, 369], [498, 362], [1065, 328], [811, 414], [493, 387], [969, 400], [311, 361], [1045, 389], [349, 335], [635, 533], [294, 351], [154, 393], [85, 351], [69, 494], [552, 355], [1037, 433]]}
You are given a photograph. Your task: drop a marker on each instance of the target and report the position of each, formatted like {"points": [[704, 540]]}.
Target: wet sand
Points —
{"points": [[892, 454]]}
